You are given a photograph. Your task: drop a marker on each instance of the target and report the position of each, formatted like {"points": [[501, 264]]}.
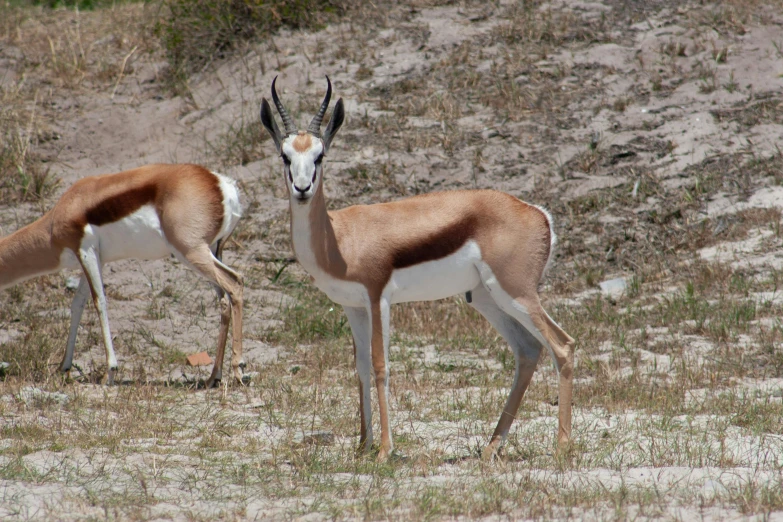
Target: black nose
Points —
{"points": [[304, 189]]}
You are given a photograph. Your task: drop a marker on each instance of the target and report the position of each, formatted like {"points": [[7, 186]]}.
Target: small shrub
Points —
{"points": [[82, 5], [197, 32]]}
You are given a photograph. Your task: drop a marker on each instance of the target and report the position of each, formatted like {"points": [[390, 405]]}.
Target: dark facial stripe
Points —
{"points": [[437, 246], [122, 205]]}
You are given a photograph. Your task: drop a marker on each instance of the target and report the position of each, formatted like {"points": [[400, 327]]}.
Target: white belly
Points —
{"points": [[137, 236], [346, 293], [451, 275]]}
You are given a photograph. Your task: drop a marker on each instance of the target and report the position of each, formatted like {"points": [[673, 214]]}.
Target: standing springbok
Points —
{"points": [[486, 244], [144, 213]]}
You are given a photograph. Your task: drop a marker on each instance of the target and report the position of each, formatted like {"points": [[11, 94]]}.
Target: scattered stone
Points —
{"points": [[72, 283], [199, 359], [319, 438], [613, 287], [3, 367], [177, 375], [489, 133], [31, 395], [249, 377]]}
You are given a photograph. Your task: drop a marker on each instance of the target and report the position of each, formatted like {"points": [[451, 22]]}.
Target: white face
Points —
{"points": [[302, 155]]}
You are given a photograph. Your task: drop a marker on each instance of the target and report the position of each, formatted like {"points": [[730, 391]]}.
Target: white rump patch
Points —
{"points": [[232, 209], [552, 238]]}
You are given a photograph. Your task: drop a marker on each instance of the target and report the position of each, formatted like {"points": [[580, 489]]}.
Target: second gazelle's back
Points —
{"points": [[486, 244]]}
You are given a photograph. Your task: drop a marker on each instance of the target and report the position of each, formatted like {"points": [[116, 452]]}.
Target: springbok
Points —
{"points": [[145, 213], [485, 244]]}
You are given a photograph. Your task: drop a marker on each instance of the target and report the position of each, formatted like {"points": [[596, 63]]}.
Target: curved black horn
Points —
{"points": [[315, 125], [290, 128]]}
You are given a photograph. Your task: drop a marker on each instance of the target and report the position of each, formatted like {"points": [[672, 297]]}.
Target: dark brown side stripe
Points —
{"points": [[434, 247], [122, 205]]}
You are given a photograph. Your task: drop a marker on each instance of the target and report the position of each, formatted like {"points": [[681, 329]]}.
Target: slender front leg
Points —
{"points": [[380, 363], [359, 320], [90, 261], [77, 307]]}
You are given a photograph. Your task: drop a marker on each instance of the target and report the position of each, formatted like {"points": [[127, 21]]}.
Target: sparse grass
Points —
{"points": [[675, 398], [78, 44], [194, 34], [242, 143], [23, 176]]}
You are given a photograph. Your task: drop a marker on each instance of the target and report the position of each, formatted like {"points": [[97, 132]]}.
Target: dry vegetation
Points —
{"points": [[649, 129]]}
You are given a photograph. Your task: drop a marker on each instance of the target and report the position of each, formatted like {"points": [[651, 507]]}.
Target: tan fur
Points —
{"points": [[175, 190], [353, 253], [189, 204], [302, 142], [364, 243], [28, 252]]}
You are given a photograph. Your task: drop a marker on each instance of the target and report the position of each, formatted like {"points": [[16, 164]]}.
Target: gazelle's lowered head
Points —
{"points": [[302, 151]]}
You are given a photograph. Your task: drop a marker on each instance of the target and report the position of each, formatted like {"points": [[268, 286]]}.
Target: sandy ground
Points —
{"points": [[643, 109]]}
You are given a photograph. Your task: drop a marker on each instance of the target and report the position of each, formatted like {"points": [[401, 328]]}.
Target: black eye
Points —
{"points": [[286, 160], [319, 159]]}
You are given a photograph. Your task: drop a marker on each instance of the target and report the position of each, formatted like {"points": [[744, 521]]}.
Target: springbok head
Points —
{"points": [[302, 151]]}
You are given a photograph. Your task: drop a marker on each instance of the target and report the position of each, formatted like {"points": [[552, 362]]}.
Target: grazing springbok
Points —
{"points": [[144, 213], [485, 244]]}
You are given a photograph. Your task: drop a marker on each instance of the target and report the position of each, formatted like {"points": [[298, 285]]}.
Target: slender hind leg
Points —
{"points": [[526, 308], [563, 352], [526, 349], [361, 330], [237, 361], [202, 260], [225, 319], [77, 307], [561, 346]]}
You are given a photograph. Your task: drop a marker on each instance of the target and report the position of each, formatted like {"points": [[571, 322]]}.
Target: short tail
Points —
{"points": [[552, 241]]}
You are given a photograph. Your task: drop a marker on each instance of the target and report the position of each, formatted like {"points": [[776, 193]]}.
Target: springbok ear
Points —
{"points": [[338, 116], [268, 119]]}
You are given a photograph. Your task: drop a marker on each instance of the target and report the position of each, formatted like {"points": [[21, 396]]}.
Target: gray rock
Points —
{"points": [[72, 283], [31, 395], [319, 438], [613, 287]]}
